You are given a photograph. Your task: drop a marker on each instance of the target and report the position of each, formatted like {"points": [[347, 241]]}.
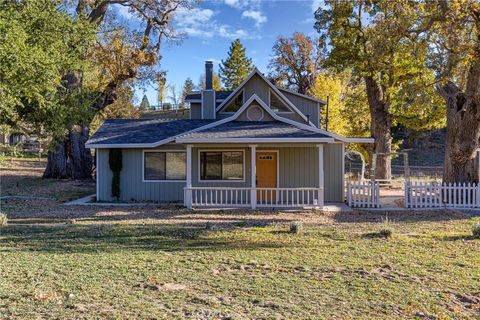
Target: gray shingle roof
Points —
{"points": [[133, 131], [253, 129]]}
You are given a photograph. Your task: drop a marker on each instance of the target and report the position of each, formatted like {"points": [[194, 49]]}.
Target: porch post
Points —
{"points": [[188, 192], [253, 171], [321, 190]]}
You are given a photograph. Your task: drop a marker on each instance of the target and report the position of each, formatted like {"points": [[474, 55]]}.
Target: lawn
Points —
{"points": [[72, 262]]}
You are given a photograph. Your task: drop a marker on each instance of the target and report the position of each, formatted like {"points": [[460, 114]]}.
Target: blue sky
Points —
{"points": [[211, 26]]}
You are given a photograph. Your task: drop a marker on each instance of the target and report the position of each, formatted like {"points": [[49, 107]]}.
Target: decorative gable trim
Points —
{"points": [[273, 87], [256, 98]]}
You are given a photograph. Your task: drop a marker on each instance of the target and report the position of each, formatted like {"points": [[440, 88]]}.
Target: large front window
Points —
{"points": [[165, 166], [221, 165]]}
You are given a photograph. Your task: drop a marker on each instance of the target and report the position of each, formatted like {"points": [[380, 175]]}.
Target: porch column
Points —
{"points": [[321, 189], [253, 171], [188, 192]]}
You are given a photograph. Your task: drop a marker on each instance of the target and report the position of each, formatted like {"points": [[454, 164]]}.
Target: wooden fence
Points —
{"points": [[436, 195], [363, 194]]}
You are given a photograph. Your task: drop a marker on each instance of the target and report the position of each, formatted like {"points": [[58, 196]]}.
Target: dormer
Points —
{"points": [[285, 103]]}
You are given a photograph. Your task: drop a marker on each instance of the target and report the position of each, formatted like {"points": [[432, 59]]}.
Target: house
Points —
{"points": [[257, 146]]}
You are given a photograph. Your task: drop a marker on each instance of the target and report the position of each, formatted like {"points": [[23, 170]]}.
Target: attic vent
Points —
{"points": [[255, 113]]}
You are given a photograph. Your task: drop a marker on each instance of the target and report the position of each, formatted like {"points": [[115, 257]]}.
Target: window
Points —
{"points": [[221, 165], [276, 104], [236, 103], [165, 166]]}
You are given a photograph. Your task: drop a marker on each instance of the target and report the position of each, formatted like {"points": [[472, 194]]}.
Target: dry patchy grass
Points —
{"points": [[78, 262]]}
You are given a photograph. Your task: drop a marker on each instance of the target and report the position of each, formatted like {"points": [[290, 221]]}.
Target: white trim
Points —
{"points": [[303, 95], [253, 174], [199, 173], [278, 164], [164, 151]]}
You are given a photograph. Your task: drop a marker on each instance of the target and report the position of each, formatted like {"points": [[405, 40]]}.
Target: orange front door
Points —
{"points": [[266, 175]]}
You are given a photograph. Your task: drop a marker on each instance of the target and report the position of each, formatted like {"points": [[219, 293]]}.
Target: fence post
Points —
{"points": [[406, 193], [349, 194]]}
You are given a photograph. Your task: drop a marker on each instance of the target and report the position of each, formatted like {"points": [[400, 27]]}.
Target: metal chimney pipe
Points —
{"points": [[208, 75]]}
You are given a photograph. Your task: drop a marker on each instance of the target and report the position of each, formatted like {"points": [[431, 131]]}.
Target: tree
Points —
{"points": [[217, 84], [296, 61], [145, 104], [236, 67], [161, 91], [38, 42], [453, 31], [391, 62], [187, 88], [120, 56], [174, 97]]}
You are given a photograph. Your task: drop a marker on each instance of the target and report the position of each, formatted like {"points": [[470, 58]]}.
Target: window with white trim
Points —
{"points": [[236, 103], [164, 165], [276, 103], [221, 165]]}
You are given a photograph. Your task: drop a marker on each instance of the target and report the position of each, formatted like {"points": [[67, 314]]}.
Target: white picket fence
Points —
{"points": [[436, 195], [364, 194]]}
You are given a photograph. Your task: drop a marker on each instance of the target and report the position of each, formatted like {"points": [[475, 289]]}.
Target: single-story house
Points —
{"points": [[256, 146]]}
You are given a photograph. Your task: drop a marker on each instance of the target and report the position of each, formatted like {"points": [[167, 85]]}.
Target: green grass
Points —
{"points": [[121, 271]]}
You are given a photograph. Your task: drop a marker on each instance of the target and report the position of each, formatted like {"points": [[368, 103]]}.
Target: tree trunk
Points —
{"points": [[70, 159], [463, 134], [380, 129]]}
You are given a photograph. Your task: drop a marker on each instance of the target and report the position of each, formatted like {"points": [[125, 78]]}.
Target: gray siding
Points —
{"points": [[298, 167], [257, 85], [306, 106], [195, 111], [333, 170], [208, 104], [131, 185]]}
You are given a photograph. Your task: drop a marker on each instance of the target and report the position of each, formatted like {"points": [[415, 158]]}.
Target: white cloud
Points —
{"points": [[124, 12], [316, 4], [241, 4], [256, 16], [200, 23], [232, 3], [194, 16]]}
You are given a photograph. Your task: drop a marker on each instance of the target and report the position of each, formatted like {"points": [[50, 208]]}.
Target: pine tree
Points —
{"points": [[236, 67], [187, 88], [145, 104]]}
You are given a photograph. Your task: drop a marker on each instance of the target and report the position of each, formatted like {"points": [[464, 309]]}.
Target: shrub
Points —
{"points": [[3, 219], [476, 231], [386, 232], [296, 227]]}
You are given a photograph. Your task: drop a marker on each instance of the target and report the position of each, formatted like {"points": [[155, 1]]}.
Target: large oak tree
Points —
{"points": [[372, 39], [122, 56]]}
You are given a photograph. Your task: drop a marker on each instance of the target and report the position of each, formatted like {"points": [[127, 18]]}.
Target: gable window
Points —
{"points": [[276, 104], [236, 103], [221, 165], [164, 166]]}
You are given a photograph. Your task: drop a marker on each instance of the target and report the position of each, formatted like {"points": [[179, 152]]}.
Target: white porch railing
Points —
{"points": [[253, 197], [363, 194], [435, 195], [289, 197]]}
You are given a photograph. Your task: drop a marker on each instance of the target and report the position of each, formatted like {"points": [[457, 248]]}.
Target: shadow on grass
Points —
{"points": [[401, 216], [112, 238], [461, 237]]}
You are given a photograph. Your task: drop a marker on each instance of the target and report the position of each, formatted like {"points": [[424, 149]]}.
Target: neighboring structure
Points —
{"points": [[257, 146]]}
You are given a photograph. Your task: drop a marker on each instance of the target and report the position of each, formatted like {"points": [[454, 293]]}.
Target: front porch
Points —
{"points": [[266, 175]]}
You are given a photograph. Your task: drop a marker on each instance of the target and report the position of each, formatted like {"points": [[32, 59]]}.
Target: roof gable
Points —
{"points": [[272, 87]]}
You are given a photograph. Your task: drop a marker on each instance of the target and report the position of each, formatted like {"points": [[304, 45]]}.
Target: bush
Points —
{"points": [[476, 231], [3, 219], [386, 232], [296, 227]]}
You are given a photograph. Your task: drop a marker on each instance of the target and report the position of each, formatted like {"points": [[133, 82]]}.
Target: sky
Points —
{"points": [[211, 26]]}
